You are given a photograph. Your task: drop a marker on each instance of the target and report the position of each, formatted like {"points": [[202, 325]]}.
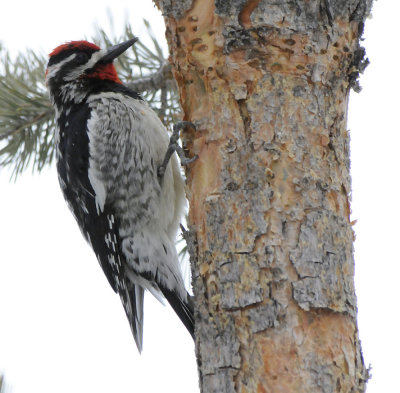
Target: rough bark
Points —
{"points": [[267, 85]]}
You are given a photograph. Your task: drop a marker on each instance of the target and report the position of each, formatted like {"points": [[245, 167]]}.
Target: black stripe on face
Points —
{"points": [[83, 55]]}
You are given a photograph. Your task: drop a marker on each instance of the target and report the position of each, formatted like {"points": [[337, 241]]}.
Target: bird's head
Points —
{"points": [[82, 61]]}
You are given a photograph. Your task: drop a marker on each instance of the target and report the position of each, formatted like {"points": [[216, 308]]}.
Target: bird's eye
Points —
{"points": [[82, 57]]}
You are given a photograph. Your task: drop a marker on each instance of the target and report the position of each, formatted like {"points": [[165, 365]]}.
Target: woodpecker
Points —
{"points": [[120, 177]]}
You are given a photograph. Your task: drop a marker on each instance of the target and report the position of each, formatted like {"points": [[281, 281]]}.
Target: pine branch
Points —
{"points": [[27, 118], [3, 385], [158, 80]]}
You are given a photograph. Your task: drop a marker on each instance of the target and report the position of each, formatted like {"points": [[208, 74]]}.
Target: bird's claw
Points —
{"points": [[174, 147], [186, 161], [182, 124]]}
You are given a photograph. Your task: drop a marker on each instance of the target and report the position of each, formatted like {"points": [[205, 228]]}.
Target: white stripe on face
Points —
{"points": [[78, 71], [53, 70]]}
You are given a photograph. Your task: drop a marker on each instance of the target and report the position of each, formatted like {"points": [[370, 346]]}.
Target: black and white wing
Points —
{"points": [[96, 218]]}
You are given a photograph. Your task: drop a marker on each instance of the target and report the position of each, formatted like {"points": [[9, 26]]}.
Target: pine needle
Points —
{"points": [[27, 118]]}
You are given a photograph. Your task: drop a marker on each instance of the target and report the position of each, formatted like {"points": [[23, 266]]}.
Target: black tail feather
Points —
{"points": [[183, 309], [132, 299]]}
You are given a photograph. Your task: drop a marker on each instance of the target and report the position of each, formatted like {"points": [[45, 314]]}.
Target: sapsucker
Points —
{"points": [[112, 159]]}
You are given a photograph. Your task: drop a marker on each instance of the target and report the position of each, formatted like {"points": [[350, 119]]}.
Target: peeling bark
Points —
{"points": [[267, 85]]}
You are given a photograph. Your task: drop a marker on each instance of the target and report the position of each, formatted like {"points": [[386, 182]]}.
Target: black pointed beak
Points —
{"points": [[116, 50]]}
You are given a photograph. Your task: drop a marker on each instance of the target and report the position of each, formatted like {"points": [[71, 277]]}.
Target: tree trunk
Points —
{"points": [[267, 85]]}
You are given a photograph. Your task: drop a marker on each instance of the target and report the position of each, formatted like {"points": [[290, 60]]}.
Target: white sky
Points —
{"points": [[61, 327]]}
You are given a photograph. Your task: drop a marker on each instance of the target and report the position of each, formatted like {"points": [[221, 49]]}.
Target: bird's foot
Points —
{"points": [[174, 147]]}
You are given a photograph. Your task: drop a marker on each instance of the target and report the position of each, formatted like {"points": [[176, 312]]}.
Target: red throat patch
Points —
{"points": [[105, 72]]}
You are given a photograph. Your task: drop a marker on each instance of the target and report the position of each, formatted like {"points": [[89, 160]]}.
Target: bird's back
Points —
{"points": [[110, 145]]}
